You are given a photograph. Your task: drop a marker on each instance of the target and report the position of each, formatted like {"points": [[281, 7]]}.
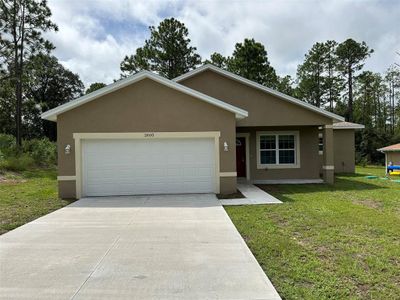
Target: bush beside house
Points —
{"points": [[34, 153]]}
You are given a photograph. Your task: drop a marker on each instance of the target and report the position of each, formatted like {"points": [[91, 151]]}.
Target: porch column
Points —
{"points": [[386, 164], [328, 164]]}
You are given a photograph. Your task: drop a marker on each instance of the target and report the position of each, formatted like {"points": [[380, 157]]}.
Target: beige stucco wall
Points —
{"points": [[228, 185], [66, 189], [344, 150], [145, 106], [309, 159], [393, 157], [264, 109]]}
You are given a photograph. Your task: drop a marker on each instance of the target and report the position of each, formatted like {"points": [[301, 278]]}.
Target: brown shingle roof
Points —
{"points": [[395, 147]]}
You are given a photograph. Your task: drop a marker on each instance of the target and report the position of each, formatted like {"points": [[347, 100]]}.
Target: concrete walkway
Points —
{"points": [[254, 195], [158, 247]]}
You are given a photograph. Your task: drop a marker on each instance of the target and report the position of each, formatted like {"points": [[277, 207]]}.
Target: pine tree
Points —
{"points": [[167, 52], [23, 22], [351, 57], [250, 60]]}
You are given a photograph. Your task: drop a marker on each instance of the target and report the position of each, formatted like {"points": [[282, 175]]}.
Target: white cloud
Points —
{"points": [[95, 35]]}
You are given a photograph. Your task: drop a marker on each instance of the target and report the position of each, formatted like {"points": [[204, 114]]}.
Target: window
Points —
{"points": [[320, 143], [277, 150], [268, 149], [286, 150]]}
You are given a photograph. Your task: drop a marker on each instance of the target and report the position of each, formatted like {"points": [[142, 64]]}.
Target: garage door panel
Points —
{"points": [[173, 172], [128, 167], [173, 159], [206, 171]]}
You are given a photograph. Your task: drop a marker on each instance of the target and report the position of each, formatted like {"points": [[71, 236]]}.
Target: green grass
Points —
{"points": [[26, 196], [323, 242], [328, 242]]}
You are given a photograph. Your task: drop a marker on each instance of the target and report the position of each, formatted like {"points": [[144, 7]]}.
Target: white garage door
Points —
{"points": [[150, 166]]}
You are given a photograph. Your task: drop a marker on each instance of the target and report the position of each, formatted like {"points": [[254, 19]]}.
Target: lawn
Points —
{"points": [[328, 242], [27, 196], [323, 242]]}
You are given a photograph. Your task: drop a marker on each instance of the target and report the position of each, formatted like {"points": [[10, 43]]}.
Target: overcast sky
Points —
{"points": [[95, 35]]}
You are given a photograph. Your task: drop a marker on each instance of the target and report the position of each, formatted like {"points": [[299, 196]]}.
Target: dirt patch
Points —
{"points": [[364, 290], [369, 203], [237, 195], [10, 180], [246, 238], [323, 252], [278, 220], [300, 242]]}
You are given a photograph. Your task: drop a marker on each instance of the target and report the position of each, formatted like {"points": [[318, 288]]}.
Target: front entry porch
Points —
{"points": [[283, 155]]}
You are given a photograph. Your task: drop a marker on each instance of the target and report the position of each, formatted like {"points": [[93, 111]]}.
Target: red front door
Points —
{"points": [[241, 156]]}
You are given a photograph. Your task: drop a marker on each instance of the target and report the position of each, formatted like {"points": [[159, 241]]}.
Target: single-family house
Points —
{"points": [[197, 133]]}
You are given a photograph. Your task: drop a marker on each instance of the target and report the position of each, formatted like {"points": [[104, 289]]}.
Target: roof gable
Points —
{"points": [[51, 115], [391, 148], [260, 87]]}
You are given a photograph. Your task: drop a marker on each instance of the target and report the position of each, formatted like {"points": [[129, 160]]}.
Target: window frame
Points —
{"points": [[277, 165], [320, 143]]}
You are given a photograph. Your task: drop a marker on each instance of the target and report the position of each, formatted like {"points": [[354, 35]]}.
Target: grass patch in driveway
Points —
{"points": [[328, 242], [27, 196]]}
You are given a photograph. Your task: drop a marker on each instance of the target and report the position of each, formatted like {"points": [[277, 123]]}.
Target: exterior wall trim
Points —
{"points": [[347, 125], [147, 135], [286, 181], [227, 174], [78, 137], [66, 178], [247, 137], [328, 167], [349, 128], [297, 165]]}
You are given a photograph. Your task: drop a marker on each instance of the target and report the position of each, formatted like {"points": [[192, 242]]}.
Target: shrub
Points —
{"points": [[35, 152], [361, 160], [18, 163], [7, 145], [42, 151]]}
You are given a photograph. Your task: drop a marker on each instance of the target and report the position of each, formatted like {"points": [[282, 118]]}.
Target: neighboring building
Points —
{"points": [[146, 134], [392, 156]]}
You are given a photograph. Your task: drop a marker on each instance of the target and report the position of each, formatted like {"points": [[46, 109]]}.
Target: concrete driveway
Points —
{"points": [[150, 247]]}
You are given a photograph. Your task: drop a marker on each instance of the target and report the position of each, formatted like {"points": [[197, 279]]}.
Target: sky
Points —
{"points": [[95, 35]]}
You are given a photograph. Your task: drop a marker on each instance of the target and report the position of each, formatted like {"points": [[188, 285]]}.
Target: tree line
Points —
{"points": [[31, 78], [332, 75]]}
